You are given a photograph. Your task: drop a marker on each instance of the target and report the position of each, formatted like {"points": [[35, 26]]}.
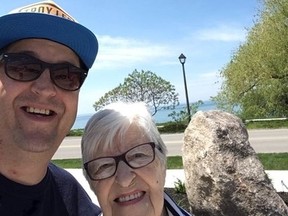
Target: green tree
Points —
{"points": [[255, 81], [143, 86], [182, 115]]}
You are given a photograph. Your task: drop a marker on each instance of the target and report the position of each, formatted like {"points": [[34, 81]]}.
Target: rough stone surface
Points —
{"points": [[222, 171]]}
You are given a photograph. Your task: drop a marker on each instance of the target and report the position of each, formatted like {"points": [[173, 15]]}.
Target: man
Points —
{"points": [[44, 59]]}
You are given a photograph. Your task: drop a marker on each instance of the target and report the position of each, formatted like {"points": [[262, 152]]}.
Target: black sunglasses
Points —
{"points": [[25, 68]]}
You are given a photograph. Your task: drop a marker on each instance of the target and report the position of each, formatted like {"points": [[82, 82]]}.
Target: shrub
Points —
{"points": [[172, 127], [76, 132], [179, 186]]}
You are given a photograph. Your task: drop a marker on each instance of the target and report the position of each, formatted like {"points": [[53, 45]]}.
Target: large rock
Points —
{"points": [[222, 171]]}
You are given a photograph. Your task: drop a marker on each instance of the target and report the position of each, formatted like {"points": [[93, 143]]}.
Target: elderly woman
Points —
{"points": [[125, 162]]}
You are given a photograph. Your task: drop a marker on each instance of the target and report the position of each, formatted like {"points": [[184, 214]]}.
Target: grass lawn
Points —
{"points": [[270, 161], [274, 161]]}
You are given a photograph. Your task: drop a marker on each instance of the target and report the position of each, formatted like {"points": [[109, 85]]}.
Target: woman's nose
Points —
{"points": [[124, 175]]}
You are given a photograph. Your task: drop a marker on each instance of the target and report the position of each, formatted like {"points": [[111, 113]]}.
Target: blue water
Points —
{"points": [[160, 117]]}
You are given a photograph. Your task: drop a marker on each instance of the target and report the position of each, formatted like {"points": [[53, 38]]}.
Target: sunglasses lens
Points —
{"points": [[67, 77], [23, 70]]}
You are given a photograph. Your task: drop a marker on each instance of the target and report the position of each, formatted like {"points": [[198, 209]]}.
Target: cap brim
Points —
{"points": [[19, 26]]}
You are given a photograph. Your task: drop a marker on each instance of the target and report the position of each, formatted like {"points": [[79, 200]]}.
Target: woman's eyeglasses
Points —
{"points": [[25, 68], [136, 157]]}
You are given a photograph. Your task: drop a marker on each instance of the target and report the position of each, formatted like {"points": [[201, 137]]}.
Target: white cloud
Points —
{"points": [[115, 51], [221, 33], [209, 75]]}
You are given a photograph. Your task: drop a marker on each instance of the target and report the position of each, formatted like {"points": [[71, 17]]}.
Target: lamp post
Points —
{"points": [[182, 60]]}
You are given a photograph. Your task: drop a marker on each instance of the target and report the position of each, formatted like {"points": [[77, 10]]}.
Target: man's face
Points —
{"points": [[37, 115]]}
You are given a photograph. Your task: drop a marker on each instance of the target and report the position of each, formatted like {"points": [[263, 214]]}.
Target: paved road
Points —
{"points": [[263, 141]]}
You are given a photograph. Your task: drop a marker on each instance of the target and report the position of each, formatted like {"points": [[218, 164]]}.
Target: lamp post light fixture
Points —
{"points": [[182, 60]]}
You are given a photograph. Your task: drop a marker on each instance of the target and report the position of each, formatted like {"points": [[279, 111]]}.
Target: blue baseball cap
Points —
{"points": [[47, 20]]}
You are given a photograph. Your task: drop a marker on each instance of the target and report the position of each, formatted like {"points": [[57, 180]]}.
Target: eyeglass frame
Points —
{"points": [[121, 157], [4, 57]]}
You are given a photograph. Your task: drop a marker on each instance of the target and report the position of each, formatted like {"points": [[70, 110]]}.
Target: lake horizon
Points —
{"points": [[160, 117]]}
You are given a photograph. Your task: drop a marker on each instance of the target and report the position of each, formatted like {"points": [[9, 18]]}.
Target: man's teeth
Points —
{"points": [[129, 197], [38, 111]]}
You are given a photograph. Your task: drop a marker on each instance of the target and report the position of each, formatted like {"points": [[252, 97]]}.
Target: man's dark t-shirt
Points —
{"points": [[57, 194]]}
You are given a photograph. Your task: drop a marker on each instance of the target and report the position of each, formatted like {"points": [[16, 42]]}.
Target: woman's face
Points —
{"points": [[131, 191]]}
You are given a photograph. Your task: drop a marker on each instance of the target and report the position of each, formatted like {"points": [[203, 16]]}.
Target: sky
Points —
{"points": [[151, 35]]}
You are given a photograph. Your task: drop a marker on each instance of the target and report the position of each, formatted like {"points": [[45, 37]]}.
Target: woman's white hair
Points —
{"points": [[113, 121]]}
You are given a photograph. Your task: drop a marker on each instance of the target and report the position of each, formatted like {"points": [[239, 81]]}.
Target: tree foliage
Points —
{"points": [[143, 86], [182, 115], [255, 81]]}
